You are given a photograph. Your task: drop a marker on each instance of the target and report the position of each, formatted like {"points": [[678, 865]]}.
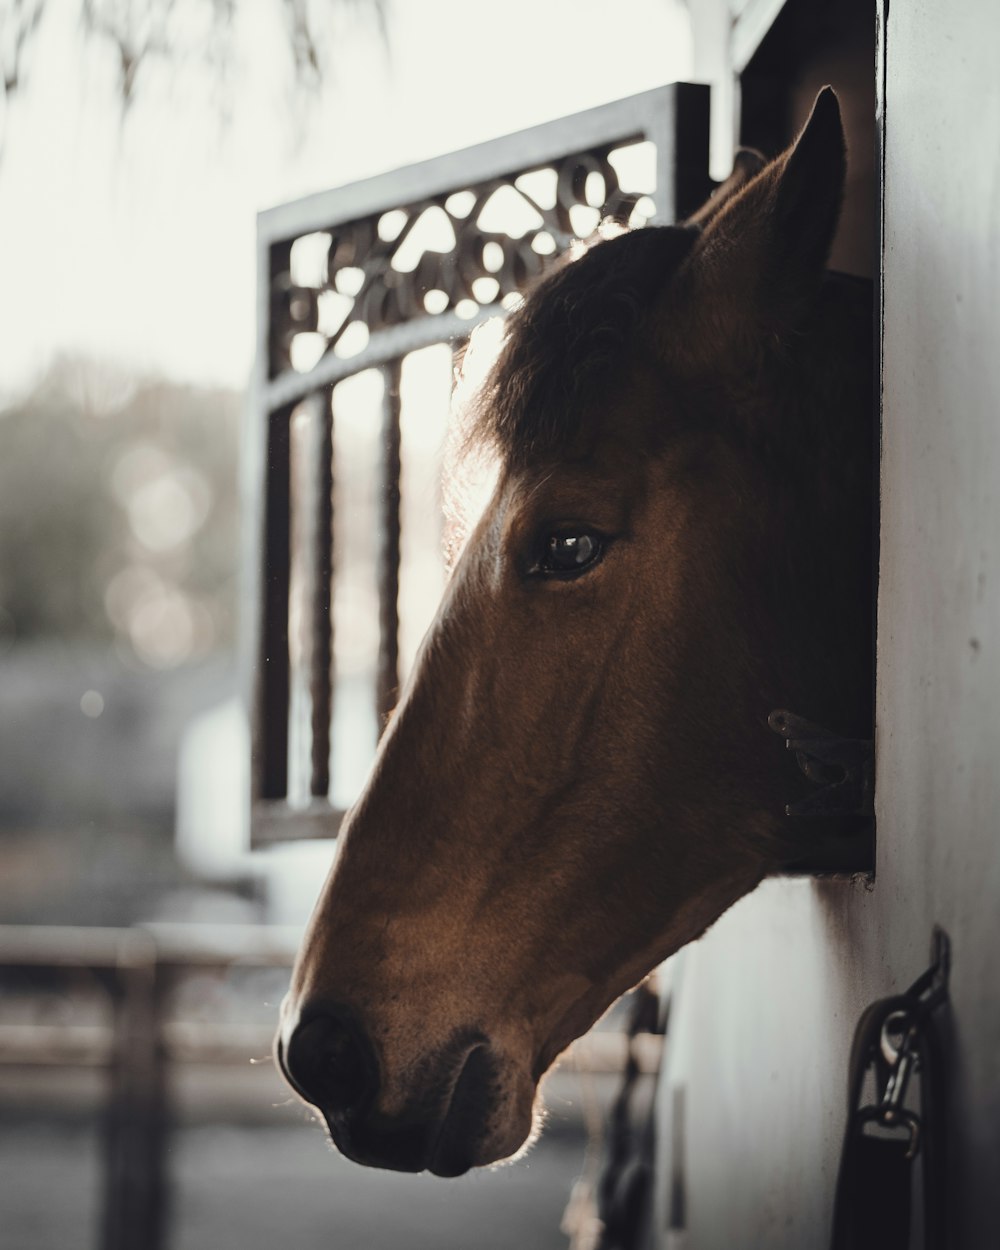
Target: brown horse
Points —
{"points": [[579, 777]]}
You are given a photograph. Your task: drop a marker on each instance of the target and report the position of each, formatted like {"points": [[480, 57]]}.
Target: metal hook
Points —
{"points": [[844, 767]]}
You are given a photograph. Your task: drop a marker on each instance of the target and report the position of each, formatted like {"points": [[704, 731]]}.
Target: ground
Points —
{"points": [[241, 1180]]}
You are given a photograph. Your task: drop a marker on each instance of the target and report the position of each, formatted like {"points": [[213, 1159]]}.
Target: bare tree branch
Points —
{"points": [[143, 31], [19, 21]]}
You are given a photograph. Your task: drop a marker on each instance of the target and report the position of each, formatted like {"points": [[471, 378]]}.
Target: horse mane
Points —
{"points": [[563, 342]]}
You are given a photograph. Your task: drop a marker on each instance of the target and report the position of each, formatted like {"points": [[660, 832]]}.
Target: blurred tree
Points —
{"points": [[139, 32], [119, 513]]}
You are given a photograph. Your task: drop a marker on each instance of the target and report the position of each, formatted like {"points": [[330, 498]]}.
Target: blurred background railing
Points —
{"points": [[138, 974], [138, 1003]]}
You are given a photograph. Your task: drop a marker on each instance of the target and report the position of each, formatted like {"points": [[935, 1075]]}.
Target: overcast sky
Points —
{"points": [[135, 243]]}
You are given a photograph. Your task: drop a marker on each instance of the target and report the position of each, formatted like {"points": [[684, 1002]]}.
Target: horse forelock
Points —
{"points": [[564, 343]]}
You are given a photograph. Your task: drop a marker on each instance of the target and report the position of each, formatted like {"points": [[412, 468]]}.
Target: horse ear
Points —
{"points": [[760, 257], [747, 164]]}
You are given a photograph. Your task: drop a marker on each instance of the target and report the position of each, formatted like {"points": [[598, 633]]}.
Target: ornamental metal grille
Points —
{"points": [[356, 287]]}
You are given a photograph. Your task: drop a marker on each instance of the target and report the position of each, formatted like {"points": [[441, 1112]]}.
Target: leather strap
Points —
{"points": [[873, 1195]]}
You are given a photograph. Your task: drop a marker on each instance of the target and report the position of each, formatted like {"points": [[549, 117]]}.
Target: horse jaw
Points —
{"points": [[427, 961]]}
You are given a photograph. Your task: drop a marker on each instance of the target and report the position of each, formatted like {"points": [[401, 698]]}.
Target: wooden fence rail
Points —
{"points": [[137, 967]]}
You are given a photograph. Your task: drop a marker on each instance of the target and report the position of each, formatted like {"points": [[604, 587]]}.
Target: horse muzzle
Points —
{"points": [[451, 1114]]}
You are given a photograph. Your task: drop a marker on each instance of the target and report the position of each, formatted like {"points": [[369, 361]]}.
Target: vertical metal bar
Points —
{"points": [[681, 136], [387, 676], [275, 343], [270, 737], [268, 482], [321, 666], [692, 127]]}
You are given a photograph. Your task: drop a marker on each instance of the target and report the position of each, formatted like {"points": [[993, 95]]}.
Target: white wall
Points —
{"points": [[939, 625], [767, 1001]]}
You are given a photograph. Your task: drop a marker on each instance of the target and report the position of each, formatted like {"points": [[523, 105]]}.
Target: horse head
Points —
{"points": [[579, 778]]}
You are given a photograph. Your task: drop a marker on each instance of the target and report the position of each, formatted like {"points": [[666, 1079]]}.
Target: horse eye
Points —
{"points": [[570, 553]]}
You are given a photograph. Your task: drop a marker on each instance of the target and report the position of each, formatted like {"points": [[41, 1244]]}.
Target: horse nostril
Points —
{"points": [[330, 1061]]}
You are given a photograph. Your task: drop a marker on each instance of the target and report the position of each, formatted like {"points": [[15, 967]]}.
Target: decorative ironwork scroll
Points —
{"points": [[368, 281], [361, 276]]}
